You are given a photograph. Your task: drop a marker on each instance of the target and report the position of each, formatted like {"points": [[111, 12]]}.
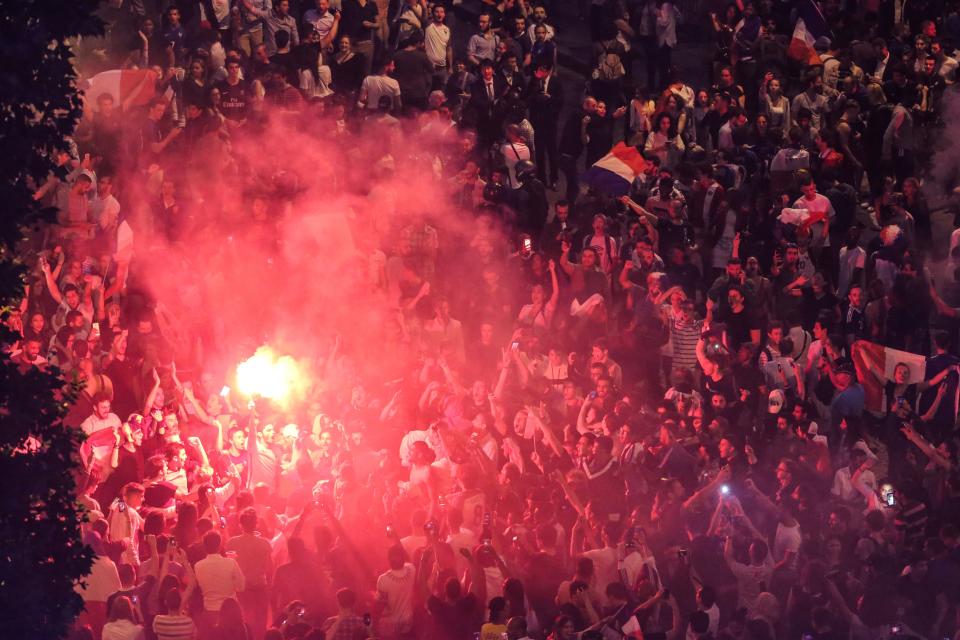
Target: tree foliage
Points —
{"points": [[41, 554]]}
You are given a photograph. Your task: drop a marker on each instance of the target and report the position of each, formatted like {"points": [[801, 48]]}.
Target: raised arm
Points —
{"points": [[565, 263], [152, 395], [636, 208], [624, 276], [51, 282], [937, 379], [555, 284], [191, 399], [710, 488], [928, 450]]}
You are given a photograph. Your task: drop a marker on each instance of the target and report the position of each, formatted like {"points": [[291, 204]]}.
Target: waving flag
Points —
{"points": [[810, 26], [121, 84], [615, 172], [871, 359]]}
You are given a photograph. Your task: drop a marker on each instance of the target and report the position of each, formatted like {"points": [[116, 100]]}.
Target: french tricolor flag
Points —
{"points": [[615, 172], [810, 25], [875, 365], [122, 84]]}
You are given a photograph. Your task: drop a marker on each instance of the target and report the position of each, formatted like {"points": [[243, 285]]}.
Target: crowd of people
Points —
{"points": [[720, 403]]}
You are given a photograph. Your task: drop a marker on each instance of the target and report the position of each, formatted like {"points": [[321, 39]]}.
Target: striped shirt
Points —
{"points": [[175, 627], [683, 339]]}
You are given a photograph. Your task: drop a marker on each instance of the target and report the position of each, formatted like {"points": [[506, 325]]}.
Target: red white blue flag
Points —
{"points": [[810, 26]]}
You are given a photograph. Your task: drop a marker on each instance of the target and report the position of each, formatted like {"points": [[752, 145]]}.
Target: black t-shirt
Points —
{"points": [[290, 63], [455, 620], [571, 143], [412, 73], [739, 325], [159, 495], [353, 16], [812, 306], [673, 235], [234, 100], [150, 133]]}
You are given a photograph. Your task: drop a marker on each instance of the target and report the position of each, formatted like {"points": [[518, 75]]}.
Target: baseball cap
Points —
{"points": [[775, 401], [845, 365]]}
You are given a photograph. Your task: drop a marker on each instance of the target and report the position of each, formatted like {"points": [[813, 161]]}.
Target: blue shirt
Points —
{"points": [[849, 402]]}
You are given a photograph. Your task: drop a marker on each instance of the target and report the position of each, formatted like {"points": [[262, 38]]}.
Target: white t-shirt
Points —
{"points": [[752, 580], [103, 443], [395, 589], [125, 525], [376, 86], [102, 581], [122, 630], [635, 565], [219, 578], [843, 485], [787, 539], [436, 39], [818, 204], [514, 152], [604, 567], [105, 211]]}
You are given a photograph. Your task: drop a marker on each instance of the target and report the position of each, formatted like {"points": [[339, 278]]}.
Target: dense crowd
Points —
{"points": [[720, 403]]}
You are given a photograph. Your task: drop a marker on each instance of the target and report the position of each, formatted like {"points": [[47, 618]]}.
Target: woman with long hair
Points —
{"points": [[496, 625], [517, 604], [230, 624], [773, 103], [564, 628], [639, 122], [346, 67], [664, 142], [122, 622], [194, 88]]}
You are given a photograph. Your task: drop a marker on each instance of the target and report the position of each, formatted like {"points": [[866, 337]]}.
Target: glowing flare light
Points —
{"points": [[268, 376]]}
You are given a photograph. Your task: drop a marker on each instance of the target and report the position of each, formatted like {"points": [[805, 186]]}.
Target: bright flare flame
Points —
{"points": [[268, 376]]}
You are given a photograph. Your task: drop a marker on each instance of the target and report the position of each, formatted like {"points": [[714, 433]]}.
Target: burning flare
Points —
{"points": [[266, 375]]}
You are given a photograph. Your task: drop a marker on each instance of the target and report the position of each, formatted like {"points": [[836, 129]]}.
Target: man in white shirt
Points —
{"points": [[380, 85], [605, 560], [843, 486], [883, 60], [754, 578], [126, 523], [324, 21], [395, 589], [105, 208], [460, 538], [100, 427], [539, 17], [219, 578], [514, 150], [820, 209], [437, 45]]}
